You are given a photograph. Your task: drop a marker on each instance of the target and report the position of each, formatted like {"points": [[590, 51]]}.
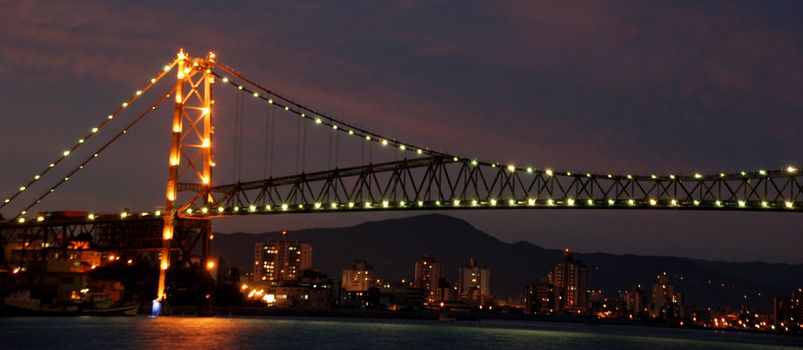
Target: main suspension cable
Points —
{"points": [[97, 152], [323, 118], [92, 132], [338, 125]]}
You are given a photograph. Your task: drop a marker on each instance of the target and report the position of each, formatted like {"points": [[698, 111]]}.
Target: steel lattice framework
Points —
{"points": [[139, 232], [437, 183]]}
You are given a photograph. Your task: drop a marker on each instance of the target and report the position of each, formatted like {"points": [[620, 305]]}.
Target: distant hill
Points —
{"points": [[392, 246]]}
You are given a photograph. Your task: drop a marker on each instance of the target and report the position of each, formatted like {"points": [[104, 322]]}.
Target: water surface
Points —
{"points": [[339, 333]]}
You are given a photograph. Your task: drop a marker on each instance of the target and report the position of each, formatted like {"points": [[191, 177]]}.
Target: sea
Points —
{"points": [[307, 333]]}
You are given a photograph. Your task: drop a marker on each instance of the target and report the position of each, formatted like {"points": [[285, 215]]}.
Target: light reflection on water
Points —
{"points": [[307, 333]]}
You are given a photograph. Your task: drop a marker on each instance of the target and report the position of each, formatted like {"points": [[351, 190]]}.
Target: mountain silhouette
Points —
{"points": [[392, 247]]}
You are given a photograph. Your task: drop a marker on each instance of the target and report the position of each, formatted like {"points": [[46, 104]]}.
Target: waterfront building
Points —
{"points": [[541, 297], [666, 302], [281, 260], [634, 302], [444, 291], [359, 286], [788, 310], [427, 273], [474, 284], [400, 298], [570, 277], [359, 278], [602, 306]]}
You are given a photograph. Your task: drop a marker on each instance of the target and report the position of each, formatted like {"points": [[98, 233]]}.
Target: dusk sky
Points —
{"points": [[610, 87]]}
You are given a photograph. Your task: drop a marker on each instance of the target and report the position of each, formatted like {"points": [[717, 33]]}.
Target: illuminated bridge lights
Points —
{"points": [[336, 125], [95, 130], [573, 197], [456, 204]]}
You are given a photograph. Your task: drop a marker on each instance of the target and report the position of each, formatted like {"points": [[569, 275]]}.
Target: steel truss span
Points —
{"points": [[441, 183], [140, 233]]}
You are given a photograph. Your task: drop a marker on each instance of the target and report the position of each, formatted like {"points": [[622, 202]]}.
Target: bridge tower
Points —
{"points": [[191, 158]]}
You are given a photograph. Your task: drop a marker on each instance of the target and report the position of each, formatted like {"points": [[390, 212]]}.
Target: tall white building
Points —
{"points": [[474, 283], [281, 260], [427, 273], [360, 278]]}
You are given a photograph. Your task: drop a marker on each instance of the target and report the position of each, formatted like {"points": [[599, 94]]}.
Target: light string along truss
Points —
{"points": [[436, 183], [92, 132], [545, 187], [94, 155]]}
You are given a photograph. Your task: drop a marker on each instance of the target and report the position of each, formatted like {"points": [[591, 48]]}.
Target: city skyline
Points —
{"points": [[564, 290], [656, 108], [517, 265]]}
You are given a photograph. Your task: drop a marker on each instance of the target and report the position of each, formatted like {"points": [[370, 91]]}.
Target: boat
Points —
{"points": [[120, 310], [21, 304], [98, 303]]}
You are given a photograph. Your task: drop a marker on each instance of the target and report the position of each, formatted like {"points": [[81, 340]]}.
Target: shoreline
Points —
{"points": [[460, 317]]}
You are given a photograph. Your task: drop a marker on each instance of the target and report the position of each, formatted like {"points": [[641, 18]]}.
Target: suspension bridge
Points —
{"points": [[414, 178]]}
